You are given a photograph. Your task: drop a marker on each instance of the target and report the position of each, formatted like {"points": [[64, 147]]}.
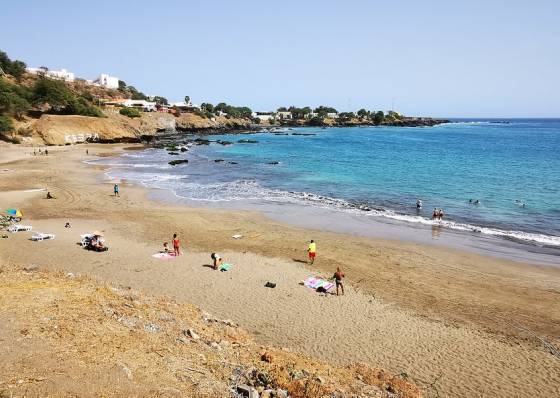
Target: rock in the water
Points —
{"points": [[176, 162]]}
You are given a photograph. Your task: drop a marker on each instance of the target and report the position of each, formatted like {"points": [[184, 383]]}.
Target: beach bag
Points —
{"points": [[270, 285], [321, 289]]}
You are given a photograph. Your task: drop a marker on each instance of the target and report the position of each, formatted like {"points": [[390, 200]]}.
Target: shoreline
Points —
{"points": [[408, 308], [376, 227]]}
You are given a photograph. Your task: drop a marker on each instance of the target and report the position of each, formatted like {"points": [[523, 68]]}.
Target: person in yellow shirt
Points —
{"points": [[311, 250]]}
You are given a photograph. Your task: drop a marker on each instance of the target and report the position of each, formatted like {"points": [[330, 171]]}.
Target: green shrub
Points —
{"points": [[87, 96], [6, 124], [130, 112], [199, 113]]}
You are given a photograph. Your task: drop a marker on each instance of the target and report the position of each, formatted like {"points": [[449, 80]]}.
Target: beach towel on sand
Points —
{"points": [[314, 283], [165, 256], [225, 267]]}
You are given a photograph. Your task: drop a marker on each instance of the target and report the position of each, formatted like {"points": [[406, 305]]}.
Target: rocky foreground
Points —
{"points": [[66, 335]]}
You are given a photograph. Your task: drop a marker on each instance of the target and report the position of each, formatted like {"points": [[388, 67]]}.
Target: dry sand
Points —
{"points": [[432, 313]]}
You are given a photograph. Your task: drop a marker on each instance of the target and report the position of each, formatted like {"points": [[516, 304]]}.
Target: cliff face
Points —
{"points": [[63, 130]]}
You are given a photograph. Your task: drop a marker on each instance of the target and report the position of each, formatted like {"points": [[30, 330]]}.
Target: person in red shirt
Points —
{"points": [[175, 245]]}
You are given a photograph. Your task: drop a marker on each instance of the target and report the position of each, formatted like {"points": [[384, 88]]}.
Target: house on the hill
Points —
{"points": [[61, 74], [106, 81]]}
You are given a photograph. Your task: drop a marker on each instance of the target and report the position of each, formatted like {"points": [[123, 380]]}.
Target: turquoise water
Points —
{"points": [[383, 171]]}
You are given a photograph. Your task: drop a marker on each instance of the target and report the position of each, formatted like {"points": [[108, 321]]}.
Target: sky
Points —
{"points": [[478, 59]]}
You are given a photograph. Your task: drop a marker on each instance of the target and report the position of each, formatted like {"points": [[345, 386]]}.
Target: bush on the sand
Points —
{"points": [[176, 162], [130, 112]]}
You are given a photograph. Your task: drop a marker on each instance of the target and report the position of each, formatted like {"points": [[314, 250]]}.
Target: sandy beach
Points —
{"points": [[461, 321]]}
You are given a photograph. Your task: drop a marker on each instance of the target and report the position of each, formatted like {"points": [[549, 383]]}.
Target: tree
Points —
{"points": [[42, 72], [378, 117], [130, 112], [207, 107], [244, 112], [220, 107], [362, 113], [52, 92], [17, 70], [122, 86], [161, 100], [345, 116], [6, 124], [5, 62], [324, 110], [187, 99], [12, 99], [282, 109]]}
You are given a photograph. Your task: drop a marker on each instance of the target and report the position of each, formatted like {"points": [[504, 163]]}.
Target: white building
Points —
{"points": [[107, 81], [145, 105], [264, 115], [61, 74], [284, 115], [184, 104]]}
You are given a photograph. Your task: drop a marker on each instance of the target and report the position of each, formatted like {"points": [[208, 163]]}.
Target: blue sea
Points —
{"points": [[381, 172]]}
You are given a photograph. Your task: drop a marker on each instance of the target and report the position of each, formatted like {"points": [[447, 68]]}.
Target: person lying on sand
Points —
{"points": [[217, 260]]}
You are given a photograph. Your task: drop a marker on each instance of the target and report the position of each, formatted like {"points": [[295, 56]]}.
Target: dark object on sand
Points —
{"points": [[321, 289], [270, 285]]}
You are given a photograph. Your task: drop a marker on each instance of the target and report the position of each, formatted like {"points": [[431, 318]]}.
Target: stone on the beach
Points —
{"points": [[125, 369], [215, 345], [31, 267], [281, 393], [247, 391], [191, 333]]}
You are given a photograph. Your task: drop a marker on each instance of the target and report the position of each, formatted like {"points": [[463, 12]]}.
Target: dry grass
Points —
{"points": [[73, 336]]}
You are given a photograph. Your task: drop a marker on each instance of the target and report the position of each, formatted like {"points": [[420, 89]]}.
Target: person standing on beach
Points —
{"points": [[312, 249], [217, 260], [436, 214], [116, 190], [175, 245], [338, 275]]}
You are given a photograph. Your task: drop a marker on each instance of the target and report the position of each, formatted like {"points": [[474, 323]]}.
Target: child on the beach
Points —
{"points": [[312, 249], [166, 247], [217, 260], [175, 245], [338, 275]]}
